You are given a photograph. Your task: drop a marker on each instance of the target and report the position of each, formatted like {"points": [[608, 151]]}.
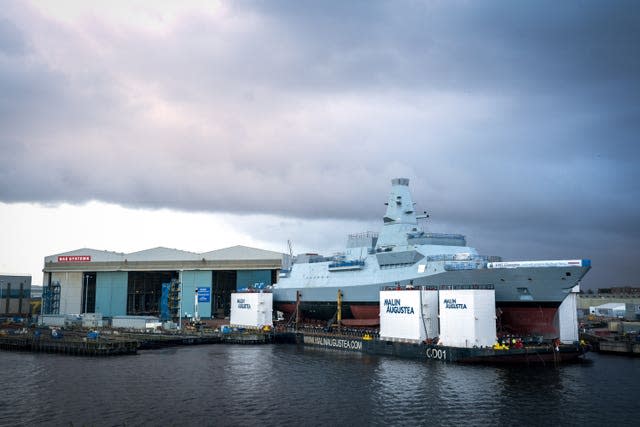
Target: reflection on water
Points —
{"points": [[289, 385], [436, 393]]}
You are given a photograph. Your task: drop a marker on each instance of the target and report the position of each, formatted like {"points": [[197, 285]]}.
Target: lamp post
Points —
{"points": [[196, 316], [1, 289], [180, 303], [86, 291]]}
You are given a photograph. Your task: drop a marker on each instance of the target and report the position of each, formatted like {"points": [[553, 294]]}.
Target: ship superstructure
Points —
{"points": [[402, 254]]}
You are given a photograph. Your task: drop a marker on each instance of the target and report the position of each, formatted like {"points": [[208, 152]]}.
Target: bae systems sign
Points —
{"points": [[395, 306], [452, 303], [74, 258]]}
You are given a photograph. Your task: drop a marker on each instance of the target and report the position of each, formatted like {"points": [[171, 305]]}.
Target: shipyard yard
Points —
{"points": [[284, 213]]}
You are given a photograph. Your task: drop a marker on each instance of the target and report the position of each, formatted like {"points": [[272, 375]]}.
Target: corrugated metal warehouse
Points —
{"points": [[116, 284], [15, 295]]}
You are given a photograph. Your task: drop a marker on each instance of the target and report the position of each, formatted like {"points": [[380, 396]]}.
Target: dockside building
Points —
{"points": [[15, 294], [119, 284]]}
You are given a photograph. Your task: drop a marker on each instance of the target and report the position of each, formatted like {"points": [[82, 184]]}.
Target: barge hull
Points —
{"points": [[542, 354]]}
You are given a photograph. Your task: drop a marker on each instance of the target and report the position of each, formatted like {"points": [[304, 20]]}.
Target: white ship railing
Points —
{"points": [[464, 257]]}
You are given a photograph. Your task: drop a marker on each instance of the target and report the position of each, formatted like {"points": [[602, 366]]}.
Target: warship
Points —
{"points": [[404, 255]]}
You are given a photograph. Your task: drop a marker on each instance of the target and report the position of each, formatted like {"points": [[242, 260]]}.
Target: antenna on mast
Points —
{"points": [[423, 215], [422, 220]]}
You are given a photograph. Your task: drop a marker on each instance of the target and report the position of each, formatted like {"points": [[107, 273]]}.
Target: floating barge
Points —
{"points": [[116, 343], [150, 341], [450, 324], [138, 332], [74, 345], [628, 348], [619, 337], [528, 355], [128, 343], [93, 343]]}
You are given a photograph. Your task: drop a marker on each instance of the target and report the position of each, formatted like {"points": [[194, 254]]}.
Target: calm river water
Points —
{"points": [[227, 385]]}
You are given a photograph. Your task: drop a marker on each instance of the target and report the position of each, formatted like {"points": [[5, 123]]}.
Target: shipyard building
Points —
{"points": [[15, 295], [133, 284]]}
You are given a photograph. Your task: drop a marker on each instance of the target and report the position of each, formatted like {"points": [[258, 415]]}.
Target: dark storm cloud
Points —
{"points": [[513, 120], [464, 46]]}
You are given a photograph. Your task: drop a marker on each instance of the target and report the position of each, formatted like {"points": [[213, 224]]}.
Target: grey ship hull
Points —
{"points": [[549, 285], [526, 313]]}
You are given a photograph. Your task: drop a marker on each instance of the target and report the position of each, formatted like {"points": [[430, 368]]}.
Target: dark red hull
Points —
{"points": [[354, 315], [527, 321], [515, 318], [366, 311], [361, 323]]}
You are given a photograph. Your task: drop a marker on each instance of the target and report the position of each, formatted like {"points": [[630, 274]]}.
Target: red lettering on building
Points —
{"points": [[74, 258]]}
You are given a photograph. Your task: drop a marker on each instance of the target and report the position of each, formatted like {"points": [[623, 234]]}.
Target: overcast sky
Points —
{"points": [[200, 125]]}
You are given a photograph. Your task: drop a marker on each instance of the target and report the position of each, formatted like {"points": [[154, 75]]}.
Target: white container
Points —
{"points": [[53, 319], [136, 322], [170, 325], [92, 320], [410, 315], [251, 309], [568, 319], [92, 323], [467, 317]]}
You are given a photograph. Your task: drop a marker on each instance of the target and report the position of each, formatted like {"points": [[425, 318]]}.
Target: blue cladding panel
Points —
{"points": [[191, 280], [248, 278], [111, 293]]}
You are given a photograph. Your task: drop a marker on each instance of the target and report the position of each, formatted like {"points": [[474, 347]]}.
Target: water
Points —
{"points": [[230, 385]]}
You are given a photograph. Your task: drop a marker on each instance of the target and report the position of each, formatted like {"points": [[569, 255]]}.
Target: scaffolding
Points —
{"points": [[51, 298], [170, 301]]}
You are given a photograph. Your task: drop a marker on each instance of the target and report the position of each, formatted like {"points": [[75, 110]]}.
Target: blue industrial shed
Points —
{"points": [[115, 284]]}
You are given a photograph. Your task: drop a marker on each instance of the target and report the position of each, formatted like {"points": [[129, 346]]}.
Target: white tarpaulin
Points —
{"points": [[408, 314], [467, 317], [251, 309], [568, 319]]}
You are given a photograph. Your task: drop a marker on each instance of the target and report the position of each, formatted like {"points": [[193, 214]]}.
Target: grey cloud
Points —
{"points": [[462, 45], [12, 41], [512, 120]]}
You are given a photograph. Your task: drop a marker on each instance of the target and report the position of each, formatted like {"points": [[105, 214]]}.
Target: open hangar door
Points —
{"points": [[224, 284], [144, 289]]}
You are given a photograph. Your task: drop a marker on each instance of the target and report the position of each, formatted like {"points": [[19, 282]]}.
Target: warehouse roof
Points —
{"points": [[240, 252], [233, 253], [93, 254], [162, 254]]}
